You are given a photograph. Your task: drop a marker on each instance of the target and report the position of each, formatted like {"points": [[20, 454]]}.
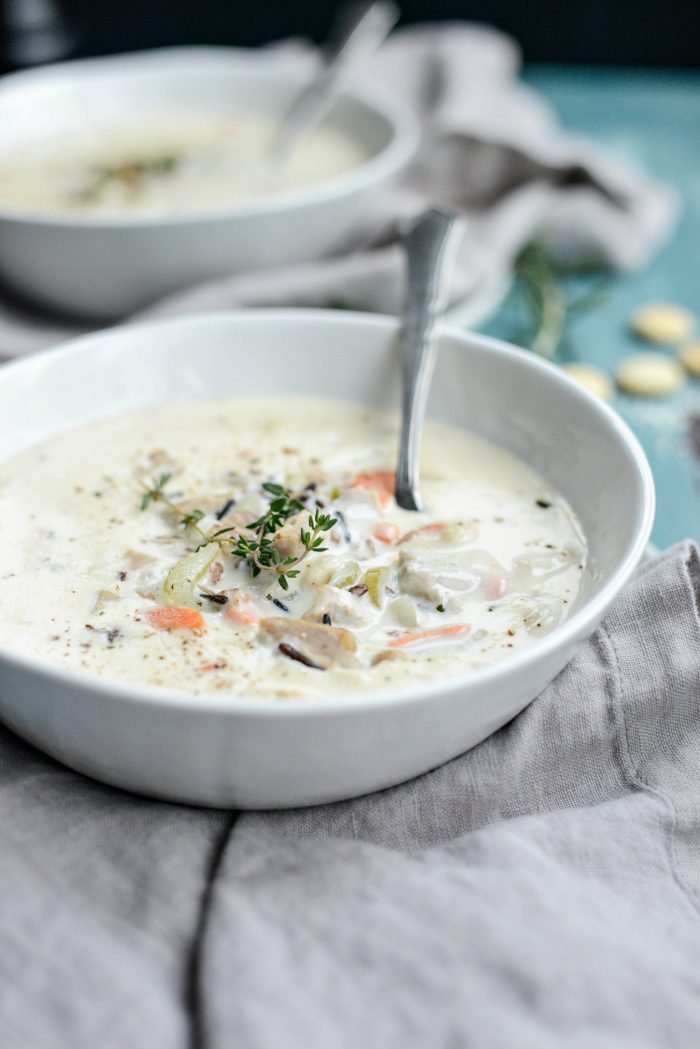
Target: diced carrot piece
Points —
{"points": [[387, 532], [242, 610], [431, 635], [438, 526], [383, 482], [176, 617]]}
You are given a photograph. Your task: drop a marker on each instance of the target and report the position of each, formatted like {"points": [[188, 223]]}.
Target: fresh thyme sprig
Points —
{"points": [[156, 494], [258, 549], [549, 310], [282, 507], [261, 553]]}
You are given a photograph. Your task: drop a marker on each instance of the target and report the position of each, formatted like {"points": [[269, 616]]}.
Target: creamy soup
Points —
{"points": [[255, 547], [177, 163]]}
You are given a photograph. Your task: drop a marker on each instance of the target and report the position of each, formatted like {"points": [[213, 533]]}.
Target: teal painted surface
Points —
{"points": [[651, 118]]}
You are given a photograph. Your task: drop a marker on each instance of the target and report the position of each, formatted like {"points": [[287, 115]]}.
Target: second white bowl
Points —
{"points": [[107, 267]]}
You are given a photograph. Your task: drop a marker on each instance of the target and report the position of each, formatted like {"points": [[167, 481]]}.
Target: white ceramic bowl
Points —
{"points": [[107, 267], [233, 751]]}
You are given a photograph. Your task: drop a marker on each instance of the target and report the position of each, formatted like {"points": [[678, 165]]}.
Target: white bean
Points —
{"points": [[662, 322], [650, 375]]}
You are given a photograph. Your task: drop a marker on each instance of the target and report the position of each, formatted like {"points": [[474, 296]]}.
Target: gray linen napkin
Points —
{"points": [[540, 892], [491, 149]]}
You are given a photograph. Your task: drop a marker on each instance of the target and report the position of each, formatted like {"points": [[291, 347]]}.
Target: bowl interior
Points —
{"points": [[501, 393], [80, 99]]}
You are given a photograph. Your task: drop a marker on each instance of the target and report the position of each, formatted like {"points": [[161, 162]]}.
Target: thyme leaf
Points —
{"points": [[192, 518], [155, 492]]}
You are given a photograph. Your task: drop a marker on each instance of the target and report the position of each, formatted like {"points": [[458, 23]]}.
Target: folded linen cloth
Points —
{"points": [[541, 891], [491, 149]]}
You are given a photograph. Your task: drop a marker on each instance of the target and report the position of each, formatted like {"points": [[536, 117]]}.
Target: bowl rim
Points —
{"points": [[404, 136], [576, 626]]}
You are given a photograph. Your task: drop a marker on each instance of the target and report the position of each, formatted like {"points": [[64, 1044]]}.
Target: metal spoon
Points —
{"points": [[358, 30], [431, 245]]}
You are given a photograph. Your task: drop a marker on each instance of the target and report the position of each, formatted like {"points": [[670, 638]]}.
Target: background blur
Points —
{"points": [[623, 74], [621, 32]]}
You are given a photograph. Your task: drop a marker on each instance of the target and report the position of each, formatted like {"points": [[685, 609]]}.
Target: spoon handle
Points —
{"points": [[358, 30], [430, 244]]}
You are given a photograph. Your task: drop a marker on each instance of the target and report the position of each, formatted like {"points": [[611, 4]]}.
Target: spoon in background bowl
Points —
{"points": [[431, 244], [358, 30]]}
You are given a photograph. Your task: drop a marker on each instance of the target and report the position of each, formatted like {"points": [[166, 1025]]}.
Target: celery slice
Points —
{"points": [[178, 587]]}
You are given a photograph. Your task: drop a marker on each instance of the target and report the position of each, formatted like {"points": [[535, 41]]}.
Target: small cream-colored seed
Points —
{"points": [[662, 322], [690, 358], [650, 375], [592, 378]]}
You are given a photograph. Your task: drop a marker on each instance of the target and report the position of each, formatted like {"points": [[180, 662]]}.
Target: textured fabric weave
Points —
{"points": [[542, 891]]}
